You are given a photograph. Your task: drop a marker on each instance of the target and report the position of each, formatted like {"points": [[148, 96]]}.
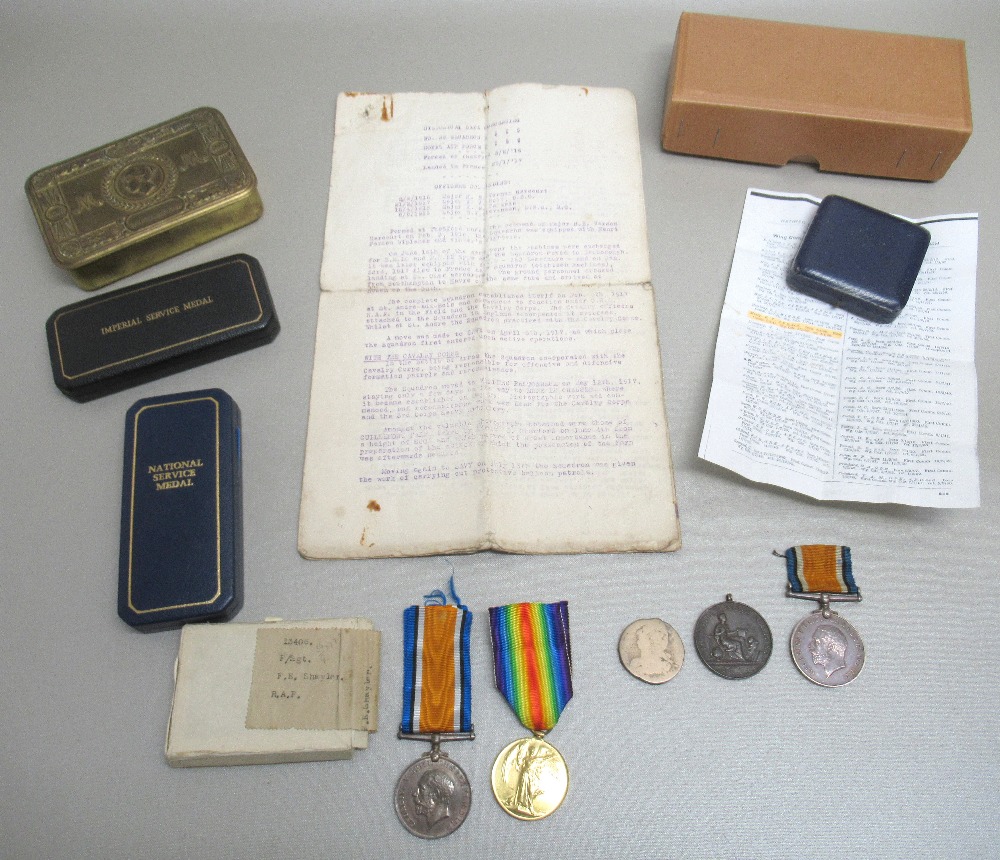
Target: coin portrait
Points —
{"points": [[651, 650], [433, 797], [732, 639], [827, 649], [530, 779]]}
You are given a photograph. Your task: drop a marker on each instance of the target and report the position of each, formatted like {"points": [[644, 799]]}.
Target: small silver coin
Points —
{"points": [[651, 650], [732, 639], [827, 649], [433, 797]]}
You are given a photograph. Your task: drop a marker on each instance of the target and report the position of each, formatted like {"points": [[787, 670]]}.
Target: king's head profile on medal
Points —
{"points": [[828, 649], [432, 796]]}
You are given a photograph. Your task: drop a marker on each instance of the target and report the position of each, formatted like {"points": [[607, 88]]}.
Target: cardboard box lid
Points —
{"points": [[826, 71]]}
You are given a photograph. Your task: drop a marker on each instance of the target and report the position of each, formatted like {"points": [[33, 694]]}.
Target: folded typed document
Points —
{"points": [[487, 370]]}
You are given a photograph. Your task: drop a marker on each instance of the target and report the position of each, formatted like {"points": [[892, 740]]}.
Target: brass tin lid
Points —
{"points": [[129, 204]]}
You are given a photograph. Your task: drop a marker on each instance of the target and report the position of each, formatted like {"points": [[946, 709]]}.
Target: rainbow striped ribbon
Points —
{"points": [[437, 672], [531, 660], [820, 568]]}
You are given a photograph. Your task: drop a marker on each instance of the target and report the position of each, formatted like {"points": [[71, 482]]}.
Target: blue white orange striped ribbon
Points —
{"points": [[820, 568], [437, 676]]}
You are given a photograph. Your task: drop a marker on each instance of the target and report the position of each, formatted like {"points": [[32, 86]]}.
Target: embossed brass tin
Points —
{"points": [[124, 206]]}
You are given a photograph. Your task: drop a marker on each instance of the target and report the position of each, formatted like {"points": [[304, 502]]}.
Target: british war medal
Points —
{"points": [[532, 666], [433, 795], [825, 647]]}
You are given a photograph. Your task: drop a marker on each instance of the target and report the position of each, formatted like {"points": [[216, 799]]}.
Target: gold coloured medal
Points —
{"points": [[530, 779]]}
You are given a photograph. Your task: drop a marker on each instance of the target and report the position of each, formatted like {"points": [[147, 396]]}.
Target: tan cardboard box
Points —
{"points": [[854, 101]]}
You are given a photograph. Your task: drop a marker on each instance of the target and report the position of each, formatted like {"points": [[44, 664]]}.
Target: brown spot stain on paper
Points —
{"points": [[374, 507], [388, 109]]}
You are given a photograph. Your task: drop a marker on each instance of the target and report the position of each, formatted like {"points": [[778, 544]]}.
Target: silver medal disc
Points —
{"points": [[732, 639], [827, 649], [433, 797], [651, 650]]}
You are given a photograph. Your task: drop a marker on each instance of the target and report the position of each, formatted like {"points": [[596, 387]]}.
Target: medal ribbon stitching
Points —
{"points": [[821, 568], [531, 660]]}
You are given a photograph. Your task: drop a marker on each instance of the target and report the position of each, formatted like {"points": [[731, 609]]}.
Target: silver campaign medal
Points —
{"points": [[825, 647], [732, 639], [433, 795]]}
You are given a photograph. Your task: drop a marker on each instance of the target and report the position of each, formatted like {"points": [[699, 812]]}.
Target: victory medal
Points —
{"points": [[825, 648], [532, 666], [433, 795]]}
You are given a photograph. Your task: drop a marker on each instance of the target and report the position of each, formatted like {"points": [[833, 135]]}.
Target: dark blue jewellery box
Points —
{"points": [[860, 259], [182, 532]]}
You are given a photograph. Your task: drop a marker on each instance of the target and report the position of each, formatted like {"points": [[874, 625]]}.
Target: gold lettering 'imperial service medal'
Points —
{"points": [[531, 662]]}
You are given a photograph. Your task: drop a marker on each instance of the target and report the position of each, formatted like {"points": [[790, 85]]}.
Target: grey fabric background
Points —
{"points": [[902, 763]]}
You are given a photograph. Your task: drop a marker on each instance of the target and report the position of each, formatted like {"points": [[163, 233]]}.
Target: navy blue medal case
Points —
{"points": [[181, 555]]}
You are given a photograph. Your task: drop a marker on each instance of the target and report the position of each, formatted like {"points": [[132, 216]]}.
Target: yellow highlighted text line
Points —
{"points": [[794, 326]]}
